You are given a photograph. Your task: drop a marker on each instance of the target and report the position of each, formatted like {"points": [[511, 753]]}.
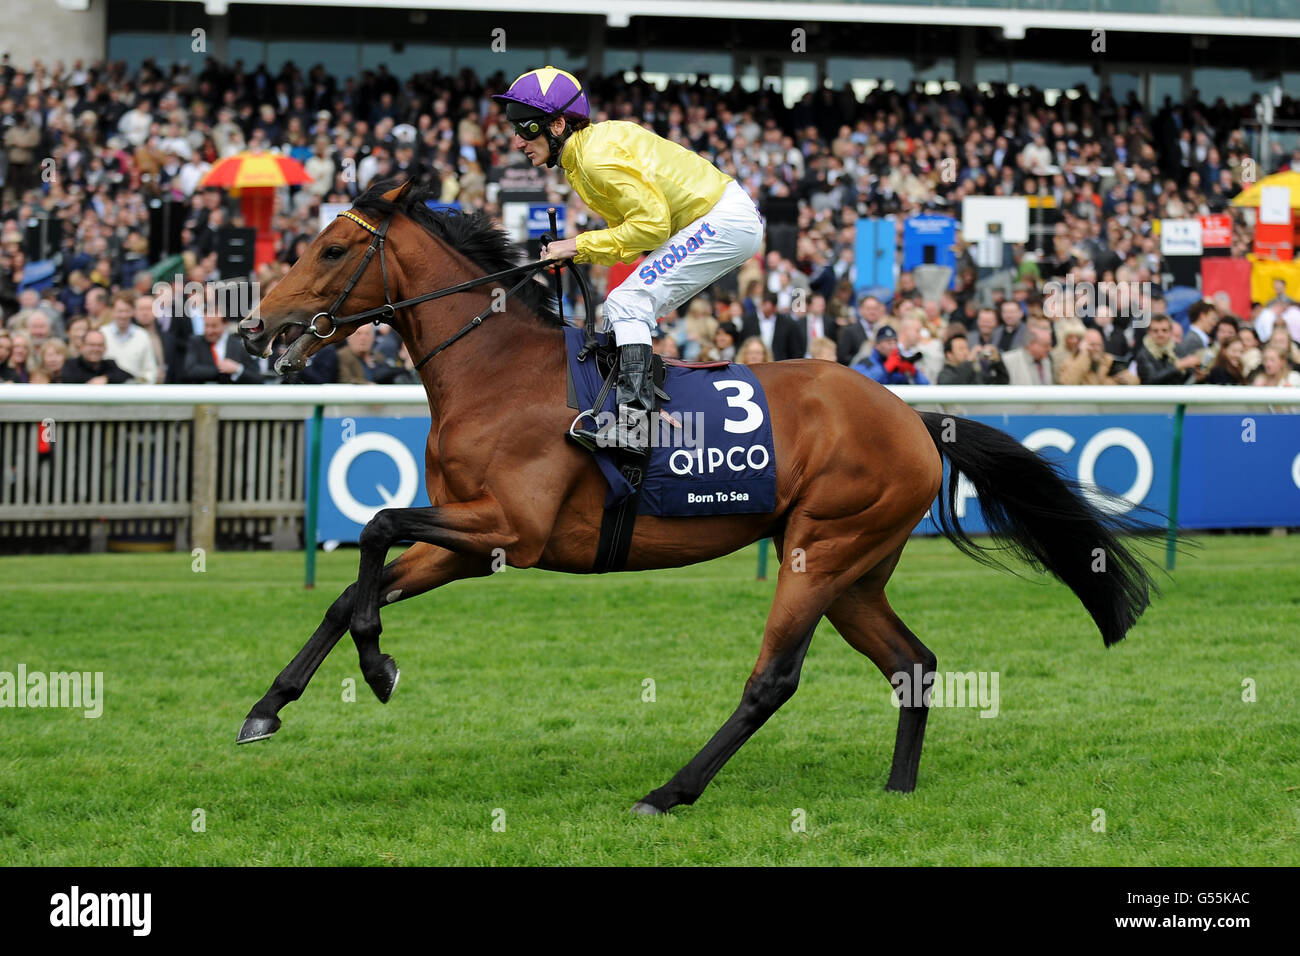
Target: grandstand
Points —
{"points": [[935, 179]]}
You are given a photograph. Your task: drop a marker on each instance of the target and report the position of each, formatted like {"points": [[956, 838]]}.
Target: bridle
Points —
{"points": [[388, 310]]}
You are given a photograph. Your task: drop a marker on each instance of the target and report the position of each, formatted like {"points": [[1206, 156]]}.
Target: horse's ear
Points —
{"points": [[394, 195]]}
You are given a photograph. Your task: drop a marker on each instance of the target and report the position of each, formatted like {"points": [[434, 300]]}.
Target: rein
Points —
{"points": [[389, 309]]}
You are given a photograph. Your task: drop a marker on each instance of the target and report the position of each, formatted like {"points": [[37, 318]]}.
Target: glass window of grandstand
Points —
{"points": [[865, 74], [163, 48], [661, 66], [934, 73], [339, 57], [405, 59]]}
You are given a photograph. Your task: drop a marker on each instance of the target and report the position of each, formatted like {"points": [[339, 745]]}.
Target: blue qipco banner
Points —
{"points": [[1238, 471]]}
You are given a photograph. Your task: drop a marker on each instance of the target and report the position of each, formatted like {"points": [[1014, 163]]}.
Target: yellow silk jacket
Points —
{"points": [[644, 186]]}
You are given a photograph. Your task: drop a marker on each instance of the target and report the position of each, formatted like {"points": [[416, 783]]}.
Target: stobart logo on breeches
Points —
{"points": [[676, 253]]}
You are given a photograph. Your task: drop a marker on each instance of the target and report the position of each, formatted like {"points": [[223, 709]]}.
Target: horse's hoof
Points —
{"points": [[647, 809], [257, 728], [384, 680]]}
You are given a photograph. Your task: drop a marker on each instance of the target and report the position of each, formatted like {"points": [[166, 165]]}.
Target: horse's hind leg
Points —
{"points": [[801, 599], [865, 620]]}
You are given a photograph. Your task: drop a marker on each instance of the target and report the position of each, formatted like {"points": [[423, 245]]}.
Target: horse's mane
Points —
{"points": [[473, 234]]}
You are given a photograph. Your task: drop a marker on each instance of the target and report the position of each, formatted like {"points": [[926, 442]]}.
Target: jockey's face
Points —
{"points": [[536, 149]]}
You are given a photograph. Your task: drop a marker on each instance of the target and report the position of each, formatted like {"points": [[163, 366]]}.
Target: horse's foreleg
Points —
{"points": [[467, 531], [420, 568], [263, 720]]}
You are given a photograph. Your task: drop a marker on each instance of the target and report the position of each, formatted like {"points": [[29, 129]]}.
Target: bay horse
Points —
{"points": [[857, 469]]}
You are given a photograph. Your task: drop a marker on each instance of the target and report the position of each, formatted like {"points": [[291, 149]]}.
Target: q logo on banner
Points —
{"points": [[348, 452]]}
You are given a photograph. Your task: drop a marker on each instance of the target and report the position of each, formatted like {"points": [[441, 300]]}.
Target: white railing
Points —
{"points": [[237, 454]]}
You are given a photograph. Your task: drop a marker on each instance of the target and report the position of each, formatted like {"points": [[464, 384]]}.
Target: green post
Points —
{"points": [[762, 559], [313, 493], [1175, 475]]}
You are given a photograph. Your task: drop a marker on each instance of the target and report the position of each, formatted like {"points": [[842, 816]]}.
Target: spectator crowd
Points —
{"points": [[84, 149]]}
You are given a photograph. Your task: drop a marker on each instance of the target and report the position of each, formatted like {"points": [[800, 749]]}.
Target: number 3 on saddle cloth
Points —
{"points": [[710, 445]]}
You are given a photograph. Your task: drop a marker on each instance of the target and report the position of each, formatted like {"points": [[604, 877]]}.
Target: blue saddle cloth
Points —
{"points": [[718, 462]]}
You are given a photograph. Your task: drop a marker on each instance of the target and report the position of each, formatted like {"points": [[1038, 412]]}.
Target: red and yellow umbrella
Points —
{"points": [[255, 176], [253, 170]]}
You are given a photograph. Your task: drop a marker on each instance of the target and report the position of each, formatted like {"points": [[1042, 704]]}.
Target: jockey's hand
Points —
{"points": [[561, 249]]}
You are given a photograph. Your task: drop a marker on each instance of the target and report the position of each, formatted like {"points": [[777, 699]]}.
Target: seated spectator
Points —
{"points": [[20, 350], [665, 345], [47, 364], [1274, 372], [958, 369], [356, 364], [6, 348], [695, 330], [129, 345], [1157, 360], [914, 345], [1031, 365], [1069, 335], [724, 342], [77, 328], [144, 317], [1281, 340], [987, 327], [1011, 332], [90, 367], [1224, 330], [1252, 357], [886, 365], [823, 348], [219, 357], [1227, 368], [1094, 365], [753, 352]]}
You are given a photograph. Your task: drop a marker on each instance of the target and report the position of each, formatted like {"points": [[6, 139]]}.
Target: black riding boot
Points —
{"points": [[634, 396]]}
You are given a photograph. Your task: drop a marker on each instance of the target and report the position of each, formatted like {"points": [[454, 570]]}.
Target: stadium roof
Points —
{"points": [[1235, 17]]}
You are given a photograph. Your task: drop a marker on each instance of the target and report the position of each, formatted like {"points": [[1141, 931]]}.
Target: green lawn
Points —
{"points": [[522, 693]]}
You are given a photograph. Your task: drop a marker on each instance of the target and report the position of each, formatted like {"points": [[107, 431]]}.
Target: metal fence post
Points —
{"points": [[313, 494], [1175, 478], [203, 489]]}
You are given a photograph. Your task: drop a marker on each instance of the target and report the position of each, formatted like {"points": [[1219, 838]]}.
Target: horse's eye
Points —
{"points": [[333, 252]]}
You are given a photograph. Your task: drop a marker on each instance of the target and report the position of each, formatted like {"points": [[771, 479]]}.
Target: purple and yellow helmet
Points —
{"points": [[544, 94]]}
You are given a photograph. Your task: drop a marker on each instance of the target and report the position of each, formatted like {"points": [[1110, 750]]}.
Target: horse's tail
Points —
{"points": [[1045, 519]]}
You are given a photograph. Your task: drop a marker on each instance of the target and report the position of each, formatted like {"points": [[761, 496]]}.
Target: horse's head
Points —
{"points": [[303, 308]]}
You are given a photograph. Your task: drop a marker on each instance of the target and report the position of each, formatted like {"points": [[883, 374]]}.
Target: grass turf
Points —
{"points": [[521, 702]]}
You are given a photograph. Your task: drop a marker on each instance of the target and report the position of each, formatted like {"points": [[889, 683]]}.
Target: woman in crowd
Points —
{"points": [[1252, 356], [1227, 368], [1093, 365], [724, 342], [753, 352], [47, 364], [1281, 340], [15, 370], [76, 334], [696, 329], [1069, 334], [1274, 371]]}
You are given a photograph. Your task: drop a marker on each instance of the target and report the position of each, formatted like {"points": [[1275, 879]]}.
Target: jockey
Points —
{"points": [[693, 223]]}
